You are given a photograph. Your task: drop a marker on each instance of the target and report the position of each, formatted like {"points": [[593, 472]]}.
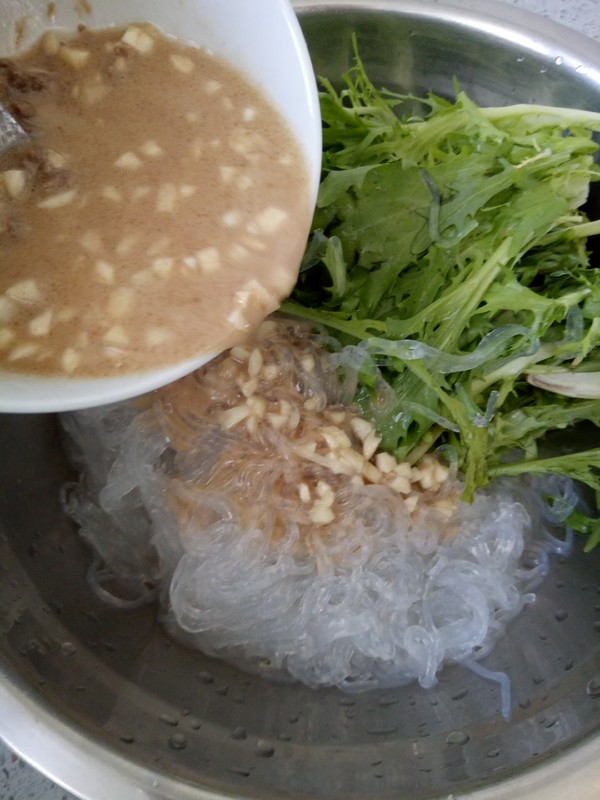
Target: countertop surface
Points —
{"points": [[19, 781]]}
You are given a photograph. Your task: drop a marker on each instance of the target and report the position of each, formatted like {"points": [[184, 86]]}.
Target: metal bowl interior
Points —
{"points": [[106, 704]]}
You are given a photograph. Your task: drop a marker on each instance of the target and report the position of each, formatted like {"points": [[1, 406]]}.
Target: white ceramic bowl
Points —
{"points": [[262, 39]]}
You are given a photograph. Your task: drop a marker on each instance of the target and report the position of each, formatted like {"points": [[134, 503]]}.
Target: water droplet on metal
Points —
{"points": [[36, 646], [561, 615], [67, 649], [493, 753], [558, 60], [596, 626], [543, 70], [178, 741], [243, 772], [127, 738], [383, 731], [169, 719], [457, 738], [239, 733], [460, 695], [593, 687], [520, 59], [418, 750], [205, 677], [264, 749]]}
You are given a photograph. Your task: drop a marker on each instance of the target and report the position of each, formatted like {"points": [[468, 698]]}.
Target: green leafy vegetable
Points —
{"points": [[449, 246]]}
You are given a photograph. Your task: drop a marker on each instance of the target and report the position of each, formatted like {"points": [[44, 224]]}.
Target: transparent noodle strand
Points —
{"points": [[380, 596]]}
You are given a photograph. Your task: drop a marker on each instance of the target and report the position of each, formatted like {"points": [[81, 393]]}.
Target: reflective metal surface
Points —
{"points": [[106, 704], [11, 133]]}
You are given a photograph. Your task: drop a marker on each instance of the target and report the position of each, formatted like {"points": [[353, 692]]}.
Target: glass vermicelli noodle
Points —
{"points": [[260, 513]]}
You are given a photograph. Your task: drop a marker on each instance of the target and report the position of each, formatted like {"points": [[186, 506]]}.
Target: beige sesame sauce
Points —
{"points": [[158, 211], [262, 406]]}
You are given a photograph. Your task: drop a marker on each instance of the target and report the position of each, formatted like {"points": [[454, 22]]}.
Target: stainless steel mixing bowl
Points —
{"points": [[103, 702]]}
